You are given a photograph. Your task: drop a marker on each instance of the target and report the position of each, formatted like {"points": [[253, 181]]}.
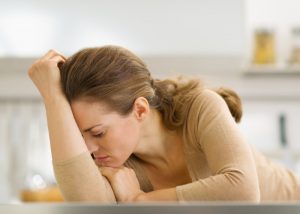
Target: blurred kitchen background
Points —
{"points": [[251, 46]]}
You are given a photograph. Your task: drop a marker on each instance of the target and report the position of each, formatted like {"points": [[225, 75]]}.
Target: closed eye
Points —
{"points": [[98, 135]]}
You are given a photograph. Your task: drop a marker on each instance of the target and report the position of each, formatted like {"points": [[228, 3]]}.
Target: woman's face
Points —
{"points": [[111, 137]]}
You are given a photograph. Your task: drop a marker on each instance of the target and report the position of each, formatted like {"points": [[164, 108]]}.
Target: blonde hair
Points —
{"points": [[117, 77]]}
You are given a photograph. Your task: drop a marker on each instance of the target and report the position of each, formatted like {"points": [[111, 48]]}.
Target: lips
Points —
{"points": [[100, 160], [101, 157]]}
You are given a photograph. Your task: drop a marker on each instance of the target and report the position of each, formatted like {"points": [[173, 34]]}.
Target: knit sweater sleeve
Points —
{"points": [[79, 179], [211, 128]]}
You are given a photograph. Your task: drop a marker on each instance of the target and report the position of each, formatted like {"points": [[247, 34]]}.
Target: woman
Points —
{"points": [[153, 140]]}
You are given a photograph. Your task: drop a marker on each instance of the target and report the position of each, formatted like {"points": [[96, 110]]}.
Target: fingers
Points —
{"points": [[52, 53], [49, 54], [109, 172], [58, 59], [50, 58]]}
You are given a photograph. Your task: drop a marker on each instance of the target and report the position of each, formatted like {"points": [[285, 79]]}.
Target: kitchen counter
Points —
{"points": [[207, 208]]}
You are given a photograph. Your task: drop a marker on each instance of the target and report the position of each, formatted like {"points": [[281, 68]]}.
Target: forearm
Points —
{"points": [[80, 180], [65, 137], [158, 195]]}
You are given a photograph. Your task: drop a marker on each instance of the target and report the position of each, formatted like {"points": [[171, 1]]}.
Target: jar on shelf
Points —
{"points": [[294, 58], [264, 47]]}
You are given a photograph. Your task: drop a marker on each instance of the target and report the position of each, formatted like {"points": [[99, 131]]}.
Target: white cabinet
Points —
{"points": [[272, 126]]}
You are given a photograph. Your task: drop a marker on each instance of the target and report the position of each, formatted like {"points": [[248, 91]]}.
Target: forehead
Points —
{"points": [[88, 113], [86, 106]]}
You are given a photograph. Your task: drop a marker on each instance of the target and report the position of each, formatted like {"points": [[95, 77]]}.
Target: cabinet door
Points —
{"points": [[272, 126]]}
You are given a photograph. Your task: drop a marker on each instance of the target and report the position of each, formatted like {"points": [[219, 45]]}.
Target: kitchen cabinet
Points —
{"points": [[272, 126]]}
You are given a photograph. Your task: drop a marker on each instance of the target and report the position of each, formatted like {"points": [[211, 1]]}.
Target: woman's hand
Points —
{"points": [[124, 182], [46, 75]]}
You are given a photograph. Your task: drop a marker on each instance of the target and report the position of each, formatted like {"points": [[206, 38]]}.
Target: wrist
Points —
{"points": [[51, 92], [142, 196], [54, 99]]}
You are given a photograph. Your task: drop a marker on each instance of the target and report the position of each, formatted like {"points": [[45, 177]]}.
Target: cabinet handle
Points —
{"points": [[282, 130]]}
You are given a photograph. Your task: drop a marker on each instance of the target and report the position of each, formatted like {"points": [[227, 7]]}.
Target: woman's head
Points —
{"points": [[110, 74], [104, 85]]}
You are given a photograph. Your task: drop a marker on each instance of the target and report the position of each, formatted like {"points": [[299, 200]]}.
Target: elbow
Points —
{"points": [[251, 190], [245, 189], [249, 194]]}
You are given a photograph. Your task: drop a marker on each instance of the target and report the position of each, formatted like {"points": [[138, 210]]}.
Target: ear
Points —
{"points": [[141, 108]]}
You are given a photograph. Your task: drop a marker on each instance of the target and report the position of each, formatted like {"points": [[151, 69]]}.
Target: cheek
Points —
{"points": [[132, 130], [127, 135]]}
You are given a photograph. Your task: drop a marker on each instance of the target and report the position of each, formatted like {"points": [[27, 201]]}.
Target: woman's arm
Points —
{"points": [[65, 137], [127, 188], [229, 158], [81, 179], [158, 195], [66, 140]]}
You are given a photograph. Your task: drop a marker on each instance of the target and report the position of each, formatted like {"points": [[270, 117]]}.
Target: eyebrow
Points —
{"points": [[89, 129]]}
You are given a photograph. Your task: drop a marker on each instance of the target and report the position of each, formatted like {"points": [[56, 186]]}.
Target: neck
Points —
{"points": [[158, 146]]}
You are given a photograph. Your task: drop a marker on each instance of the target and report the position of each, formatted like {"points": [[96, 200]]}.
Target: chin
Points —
{"points": [[107, 164], [115, 165]]}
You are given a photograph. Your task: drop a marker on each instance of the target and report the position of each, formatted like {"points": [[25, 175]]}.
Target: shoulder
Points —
{"points": [[207, 111], [207, 101], [210, 96]]}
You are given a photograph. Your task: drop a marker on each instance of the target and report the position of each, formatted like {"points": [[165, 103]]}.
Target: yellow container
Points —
{"points": [[264, 49], [48, 194]]}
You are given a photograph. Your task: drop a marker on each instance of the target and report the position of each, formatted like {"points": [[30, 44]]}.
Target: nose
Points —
{"points": [[92, 146]]}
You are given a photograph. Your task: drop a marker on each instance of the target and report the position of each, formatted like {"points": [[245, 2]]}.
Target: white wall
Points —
{"points": [[176, 27]]}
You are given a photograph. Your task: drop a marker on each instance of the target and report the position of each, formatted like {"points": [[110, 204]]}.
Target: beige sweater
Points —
{"points": [[220, 162]]}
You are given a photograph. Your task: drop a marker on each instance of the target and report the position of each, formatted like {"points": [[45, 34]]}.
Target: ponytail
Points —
{"points": [[233, 101], [172, 99]]}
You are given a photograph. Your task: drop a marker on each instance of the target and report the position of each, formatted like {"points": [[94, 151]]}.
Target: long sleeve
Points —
{"points": [[80, 180], [211, 128]]}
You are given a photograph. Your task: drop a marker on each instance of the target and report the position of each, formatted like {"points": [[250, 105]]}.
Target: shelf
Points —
{"points": [[270, 70], [282, 153]]}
